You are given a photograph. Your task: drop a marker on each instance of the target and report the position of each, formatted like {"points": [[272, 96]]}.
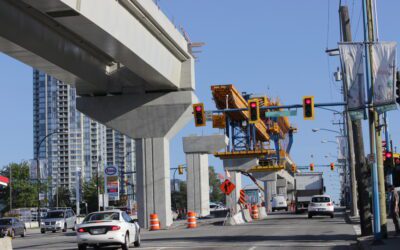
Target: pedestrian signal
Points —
{"points": [[199, 115], [308, 107]]}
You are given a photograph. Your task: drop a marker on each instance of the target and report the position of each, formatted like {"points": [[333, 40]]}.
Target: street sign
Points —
{"points": [[112, 182], [227, 187], [281, 113]]}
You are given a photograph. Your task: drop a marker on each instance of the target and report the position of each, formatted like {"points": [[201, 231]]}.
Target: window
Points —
{"points": [[320, 199]]}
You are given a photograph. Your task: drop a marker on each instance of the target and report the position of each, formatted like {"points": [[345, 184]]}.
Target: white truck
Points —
{"points": [[307, 185]]}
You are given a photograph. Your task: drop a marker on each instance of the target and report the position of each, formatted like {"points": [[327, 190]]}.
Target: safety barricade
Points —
{"points": [[154, 222]]}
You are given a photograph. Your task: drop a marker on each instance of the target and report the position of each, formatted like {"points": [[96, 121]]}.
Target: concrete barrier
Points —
{"points": [[237, 219], [31, 224], [246, 215], [5, 243], [262, 211]]}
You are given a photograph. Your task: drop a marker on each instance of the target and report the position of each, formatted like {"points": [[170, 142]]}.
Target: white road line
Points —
{"points": [[252, 248]]}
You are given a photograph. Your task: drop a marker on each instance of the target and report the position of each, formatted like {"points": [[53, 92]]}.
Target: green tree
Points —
{"points": [[90, 193], [216, 194], [64, 197], [24, 192], [179, 198]]}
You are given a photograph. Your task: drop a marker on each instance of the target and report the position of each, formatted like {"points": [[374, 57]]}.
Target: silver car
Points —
{"points": [[12, 227], [56, 220]]}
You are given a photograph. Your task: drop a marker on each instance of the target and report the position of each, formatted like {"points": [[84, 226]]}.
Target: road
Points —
{"points": [[280, 230]]}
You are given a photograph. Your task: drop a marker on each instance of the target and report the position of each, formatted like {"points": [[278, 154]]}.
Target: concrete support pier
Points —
{"points": [[197, 149], [232, 199], [153, 180]]}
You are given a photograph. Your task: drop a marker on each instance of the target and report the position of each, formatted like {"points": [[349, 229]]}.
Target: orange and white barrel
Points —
{"points": [[191, 219], [254, 212], [154, 222]]}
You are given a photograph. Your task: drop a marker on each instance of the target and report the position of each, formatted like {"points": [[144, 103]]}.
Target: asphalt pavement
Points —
{"points": [[280, 230]]}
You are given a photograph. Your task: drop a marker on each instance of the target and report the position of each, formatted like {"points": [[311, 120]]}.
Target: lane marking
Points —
{"points": [[357, 229]]}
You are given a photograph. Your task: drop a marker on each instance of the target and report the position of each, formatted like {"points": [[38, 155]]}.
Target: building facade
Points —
{"points": [[82, 147]]}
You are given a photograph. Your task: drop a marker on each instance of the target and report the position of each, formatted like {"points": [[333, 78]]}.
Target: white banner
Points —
{"points": [[384, 68], [44, 170], [342, 149], [351, 55]]}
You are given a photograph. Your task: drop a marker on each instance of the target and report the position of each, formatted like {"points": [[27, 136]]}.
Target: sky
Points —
{"points": [[273, 48]]}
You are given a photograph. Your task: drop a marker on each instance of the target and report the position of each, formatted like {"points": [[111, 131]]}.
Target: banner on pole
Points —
{"points": [[44, 170], [383, 73], [342, 149], [352, 59]]}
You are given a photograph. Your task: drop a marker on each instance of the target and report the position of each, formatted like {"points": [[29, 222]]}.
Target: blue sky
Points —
{"points": [[261, 46]]}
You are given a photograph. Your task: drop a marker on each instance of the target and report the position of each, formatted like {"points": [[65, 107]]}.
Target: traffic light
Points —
{"points": [[388, 155], [180, 169], [199, 115], [332, 166], [254, 110], [312, 167], [293, 168], [308, 107], [398, 87]]}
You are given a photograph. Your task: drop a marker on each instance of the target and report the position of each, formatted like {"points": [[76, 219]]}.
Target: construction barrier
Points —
{"points": [[262, 213], [154, 222], [254, 212], [246, 215], [191, 220]]}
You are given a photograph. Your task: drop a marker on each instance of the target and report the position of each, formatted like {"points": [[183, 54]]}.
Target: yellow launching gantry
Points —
{"points": [[250, 131]]}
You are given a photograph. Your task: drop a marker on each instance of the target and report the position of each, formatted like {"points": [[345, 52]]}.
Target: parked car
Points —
{"points": [[321, 205], [59, 219], [12, 227], [217, 207], [279, 203], [113, 227]]}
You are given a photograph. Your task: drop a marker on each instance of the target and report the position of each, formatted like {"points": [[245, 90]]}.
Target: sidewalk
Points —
{"points": [[366, 242]]}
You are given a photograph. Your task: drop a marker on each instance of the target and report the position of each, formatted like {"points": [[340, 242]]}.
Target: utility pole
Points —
{"points": [[358, 168], [373, 116], [10, 187], [378, 136]]}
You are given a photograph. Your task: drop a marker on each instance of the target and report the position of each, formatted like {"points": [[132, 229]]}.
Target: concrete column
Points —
{"points": [[153, 181], [270, 190], [281, 187], [197, 149], [232, 199], [198, 187]]}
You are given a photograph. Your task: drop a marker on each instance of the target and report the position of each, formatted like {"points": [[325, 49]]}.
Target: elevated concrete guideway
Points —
{"points": [[131, 68]]}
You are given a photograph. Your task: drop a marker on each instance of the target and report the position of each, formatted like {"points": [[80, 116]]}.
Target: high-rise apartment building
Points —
{"points": [[82, 147]]}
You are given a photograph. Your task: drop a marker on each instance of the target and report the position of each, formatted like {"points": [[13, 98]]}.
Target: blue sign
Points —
{"points": [[110, 170]]}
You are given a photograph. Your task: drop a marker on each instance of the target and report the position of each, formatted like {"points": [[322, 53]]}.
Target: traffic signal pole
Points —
{"points": [[368, 38]]}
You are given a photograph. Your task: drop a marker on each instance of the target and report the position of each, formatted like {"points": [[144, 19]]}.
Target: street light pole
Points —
{"points": [[325, 129], [38, 171], [10, 188]]}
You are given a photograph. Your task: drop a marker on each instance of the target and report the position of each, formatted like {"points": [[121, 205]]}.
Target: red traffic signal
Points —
{"points": [[308, 107], [199, 115], [332, 166], [388, 155], [312, 167], [254, 110]]}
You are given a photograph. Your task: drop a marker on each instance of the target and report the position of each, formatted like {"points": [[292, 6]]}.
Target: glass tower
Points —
{"points": [[82, 147]]}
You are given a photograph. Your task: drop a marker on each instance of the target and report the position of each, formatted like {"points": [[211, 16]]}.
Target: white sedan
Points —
{"points": [[113, 227]]}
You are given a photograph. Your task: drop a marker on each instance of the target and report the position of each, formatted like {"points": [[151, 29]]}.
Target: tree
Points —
{"points": [[90, 193], [64, 197], [179, 198], [24, 192], [216, 194]]}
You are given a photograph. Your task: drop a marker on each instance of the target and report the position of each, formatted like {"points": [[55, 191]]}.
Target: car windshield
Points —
{"points": [[101, 216], [5, 222], [320, 199], [55, 214]]}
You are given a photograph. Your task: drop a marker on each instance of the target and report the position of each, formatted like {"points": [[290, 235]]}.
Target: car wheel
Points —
{"points": [[125, 246], [81, 247], [12, 233], [23, 233], [73, 229], [65, 228], [53, 231], [286, 209], [137, 242], [42, 231], [309, 216], [332, 215]]}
